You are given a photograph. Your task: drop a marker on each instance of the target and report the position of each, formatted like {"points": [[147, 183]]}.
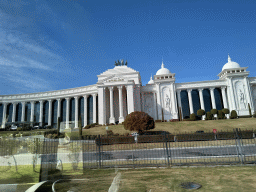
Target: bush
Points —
{"points": [[87, 127], [208, 116], [233, 114], [19, 129], [110, 133], [200, 112], [254, 114], [214, 111], [139, 121], [192, 117], [225, 111], [221, 114]]}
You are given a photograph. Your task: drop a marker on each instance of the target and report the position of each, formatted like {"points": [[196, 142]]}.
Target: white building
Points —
{"points": [[119, 91]]}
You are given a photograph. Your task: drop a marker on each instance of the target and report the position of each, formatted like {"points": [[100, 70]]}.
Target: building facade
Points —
{"points": [[119, 92]]}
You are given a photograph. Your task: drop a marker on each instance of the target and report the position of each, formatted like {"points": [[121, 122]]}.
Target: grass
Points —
{"points": [[182, 126], [232, 178]]}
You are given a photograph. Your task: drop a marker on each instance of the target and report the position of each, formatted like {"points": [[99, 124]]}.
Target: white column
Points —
{"points": [[94, 108], [155, 105], [190, 101], [112, 118], [50, 113], [85, 110], [130, 98], [224, 98], [32, 111], [232, 95], [23, 111], [76, 112], [201, 101], [59, 105], [174, 101], [248, 98], [14, 106], [67, 112], [213, 97], [101, 106], [41, 112], [201, 98], [143, 102], [179, 102], [250, 95], [121, 112], [4, 115], [158, 97]]}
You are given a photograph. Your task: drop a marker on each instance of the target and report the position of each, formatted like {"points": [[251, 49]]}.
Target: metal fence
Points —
{"points": [[237, 147], [169, 150]]}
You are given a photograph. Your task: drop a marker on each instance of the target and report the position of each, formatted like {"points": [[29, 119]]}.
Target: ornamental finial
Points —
{"points": [[229, 59]]}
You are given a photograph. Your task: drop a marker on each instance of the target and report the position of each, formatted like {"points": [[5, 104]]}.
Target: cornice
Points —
{"points": [[59, 94], [201, 84]]}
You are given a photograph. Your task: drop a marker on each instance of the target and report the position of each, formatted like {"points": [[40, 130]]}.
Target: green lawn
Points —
{"points": [[233, 178], [183, 126], [229, 178]]}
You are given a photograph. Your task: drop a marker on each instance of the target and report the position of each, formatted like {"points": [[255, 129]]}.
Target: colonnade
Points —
{"points": [[202, 104], [121, 104], [50, 101]]}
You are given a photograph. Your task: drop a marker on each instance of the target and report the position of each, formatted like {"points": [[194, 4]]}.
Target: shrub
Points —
{"points": [[19, 129], [192, 117], [225, 111], [208, 116], [87, 127], [254, 114], [233, 114], [214, 111], [200, 112], [221, 114], [110, 133], [139, 121]]}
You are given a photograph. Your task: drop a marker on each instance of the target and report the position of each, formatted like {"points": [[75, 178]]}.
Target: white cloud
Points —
{"points": [[23, 61]]}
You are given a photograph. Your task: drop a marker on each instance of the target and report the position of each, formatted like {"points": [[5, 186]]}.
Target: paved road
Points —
{"points": [[159, 153]]}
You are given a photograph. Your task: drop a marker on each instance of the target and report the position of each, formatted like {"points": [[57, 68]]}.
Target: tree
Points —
{"points": [[225, 111], [139, 121], [192, 117], [200, 112], [208, 116], [221, 114], [233, 114], [214, 112]]}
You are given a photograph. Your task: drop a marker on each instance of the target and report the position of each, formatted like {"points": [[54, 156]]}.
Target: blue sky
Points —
{"points": [[60, 44]]}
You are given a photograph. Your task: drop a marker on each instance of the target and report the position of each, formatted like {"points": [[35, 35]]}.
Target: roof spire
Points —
{"points": [[162, 66], [229, 59], [151, 77]]}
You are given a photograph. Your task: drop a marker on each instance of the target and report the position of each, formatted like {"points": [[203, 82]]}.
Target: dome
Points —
{"points": [[151, 80], [230, 64], [163, 70]]}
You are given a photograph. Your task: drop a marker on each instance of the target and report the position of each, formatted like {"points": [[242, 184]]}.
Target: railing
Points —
{"points": [[237, 147]]}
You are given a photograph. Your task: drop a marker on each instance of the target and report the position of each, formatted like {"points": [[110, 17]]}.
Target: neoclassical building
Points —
{"points": [[119, 92]]}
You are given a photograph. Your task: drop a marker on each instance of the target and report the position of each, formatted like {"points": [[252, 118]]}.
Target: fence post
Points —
{"points": [[238, 145], [99, 151], [167, 150]]}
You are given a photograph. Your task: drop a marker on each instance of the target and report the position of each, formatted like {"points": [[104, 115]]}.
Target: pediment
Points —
{"points": [[119, 70], [114, 78]]}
